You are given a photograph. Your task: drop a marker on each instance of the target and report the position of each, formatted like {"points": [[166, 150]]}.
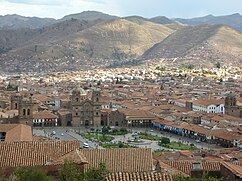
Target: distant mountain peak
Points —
{"points": [[89, 15]]}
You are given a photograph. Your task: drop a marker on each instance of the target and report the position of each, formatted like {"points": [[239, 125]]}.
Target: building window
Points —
{"points": [[96, 113], [77, 100], [16, 105], [24, 112], [28, 112], [2, 136], [76, 113], [97, 100]]}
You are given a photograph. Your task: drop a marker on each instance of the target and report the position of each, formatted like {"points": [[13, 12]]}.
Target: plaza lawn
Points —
{"points": [[118, 133], [178, 146], [97, 137], [117, 145], [148, 136]]}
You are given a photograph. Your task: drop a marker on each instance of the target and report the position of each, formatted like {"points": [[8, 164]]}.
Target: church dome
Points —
{"points": [[79, 91]]}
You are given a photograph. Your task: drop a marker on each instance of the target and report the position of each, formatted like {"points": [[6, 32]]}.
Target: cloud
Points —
{"points": [[146, 8], [37, 2], [96, 1], [53, 2]]}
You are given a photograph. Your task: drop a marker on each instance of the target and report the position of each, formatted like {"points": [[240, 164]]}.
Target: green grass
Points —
{"points": [[118, 133], [148, 136], [97, 137], [117, 145], [178, 146]]}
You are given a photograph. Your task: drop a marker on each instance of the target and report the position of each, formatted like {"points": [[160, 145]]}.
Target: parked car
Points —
{"points": [[85, 145]]}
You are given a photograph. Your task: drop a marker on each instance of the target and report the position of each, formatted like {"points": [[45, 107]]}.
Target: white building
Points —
{"points": [[208, 106]]}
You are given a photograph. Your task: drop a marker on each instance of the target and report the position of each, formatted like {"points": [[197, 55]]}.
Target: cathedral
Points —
{"points": [[83, 109]]}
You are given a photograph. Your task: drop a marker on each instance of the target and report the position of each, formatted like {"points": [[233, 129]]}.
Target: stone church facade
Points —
{"points": [[231, 106], [85, 110], [25, 104]]}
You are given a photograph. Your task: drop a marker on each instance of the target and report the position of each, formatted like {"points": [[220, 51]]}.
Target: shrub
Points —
{"points": [[29, 174], [165, 140]]}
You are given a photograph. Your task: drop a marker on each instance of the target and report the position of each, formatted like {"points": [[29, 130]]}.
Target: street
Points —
{"points": [[71, 133]]}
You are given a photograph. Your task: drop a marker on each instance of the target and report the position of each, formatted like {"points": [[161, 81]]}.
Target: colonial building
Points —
{"points": [[25, 106], [232, 106], [83, 109]]}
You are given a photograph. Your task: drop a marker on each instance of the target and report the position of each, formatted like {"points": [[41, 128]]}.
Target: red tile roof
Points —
{"points": [[120, 160], [138, 176], [17, 132], [31, 153]]}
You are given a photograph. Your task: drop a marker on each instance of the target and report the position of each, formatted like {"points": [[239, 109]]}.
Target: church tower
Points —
{"points": [[15, 100], [231, 107], [25, 109], [96, 107]]}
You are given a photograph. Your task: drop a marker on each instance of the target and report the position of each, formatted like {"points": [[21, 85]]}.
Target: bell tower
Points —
{"points": [[96, 96], [25, 110], [96, 107], [15, 100]]}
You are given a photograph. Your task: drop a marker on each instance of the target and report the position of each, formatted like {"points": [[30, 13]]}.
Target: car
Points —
{"points": [[53, 132], [151, 130], [62, 134], [85, 145], [198, 141]]}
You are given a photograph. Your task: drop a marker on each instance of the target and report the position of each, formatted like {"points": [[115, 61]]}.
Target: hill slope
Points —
{"points": [[200, 45], [234, 20], [89, 15], [163, 20], [16, 22], [73, 42]]}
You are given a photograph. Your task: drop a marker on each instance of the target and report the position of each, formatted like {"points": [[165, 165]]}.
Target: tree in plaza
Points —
{"points": [[165, 140], [30, 174], [105, 130]]}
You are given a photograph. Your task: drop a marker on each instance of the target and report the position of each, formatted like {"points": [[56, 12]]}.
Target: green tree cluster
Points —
{"points": [[68, 172]]}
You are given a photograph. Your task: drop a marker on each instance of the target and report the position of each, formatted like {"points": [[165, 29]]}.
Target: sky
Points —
{"points": [[146, 8]]}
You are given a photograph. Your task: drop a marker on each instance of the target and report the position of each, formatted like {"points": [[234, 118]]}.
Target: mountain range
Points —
{"points": [[93, 39]]}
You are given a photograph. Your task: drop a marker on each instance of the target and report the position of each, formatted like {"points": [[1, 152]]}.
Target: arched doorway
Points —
{"points": [[68, 123], [102, 123], [86, 123]]}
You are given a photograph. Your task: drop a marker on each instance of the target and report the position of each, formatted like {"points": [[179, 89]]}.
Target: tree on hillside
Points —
{"points": [[218, 65]]}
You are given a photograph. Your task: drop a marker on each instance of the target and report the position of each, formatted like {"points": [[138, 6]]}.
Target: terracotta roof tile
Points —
{"points": [[186, 166], [121, 160], [17, 132], [31, 153], [139, 176]]}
